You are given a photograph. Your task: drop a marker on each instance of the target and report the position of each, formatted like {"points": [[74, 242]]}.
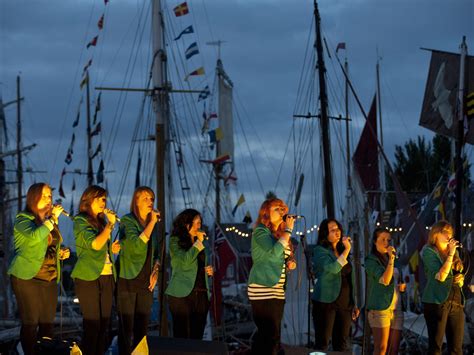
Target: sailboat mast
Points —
{"points": [[458, 163], [161, 108], [324, 119], [19, 171], [90, 171], [348, 147]]}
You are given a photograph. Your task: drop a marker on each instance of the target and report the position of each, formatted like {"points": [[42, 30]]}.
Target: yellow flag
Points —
{"points": [[414, 261]]}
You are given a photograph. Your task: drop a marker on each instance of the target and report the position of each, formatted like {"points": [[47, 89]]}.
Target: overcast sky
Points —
{"points": [[266, 40]]}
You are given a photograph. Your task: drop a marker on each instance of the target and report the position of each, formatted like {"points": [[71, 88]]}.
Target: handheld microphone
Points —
{"points": [[458, 244], [117, 219], [67, 214], [296, 216]]}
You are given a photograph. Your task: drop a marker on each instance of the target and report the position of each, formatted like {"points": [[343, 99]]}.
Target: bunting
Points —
{"points": [[100, 23], [84, 81], [181, 9], [70, 150], [97, 107], [186, 31], [97, 151], [100, 172], [61, 190], [191, 51], [93, 42], [199, 71], [78, 115], [240, 201], [248, 218], [89, 63], [470, 105], [340, 45], [215, 135], [204, 94], [96, 130]]}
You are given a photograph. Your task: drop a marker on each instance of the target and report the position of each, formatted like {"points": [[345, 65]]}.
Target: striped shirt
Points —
{"points": [[259, 292]]}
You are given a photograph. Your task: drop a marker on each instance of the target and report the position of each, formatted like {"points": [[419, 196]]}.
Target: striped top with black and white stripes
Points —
{"points": [[259, 292]]}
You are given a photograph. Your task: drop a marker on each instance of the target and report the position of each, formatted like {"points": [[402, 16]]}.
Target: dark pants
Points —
{"points": [[267, 315], [189, 314], [331, 322], [37, 302], [95, 299], [134, 314], [444, 318]]}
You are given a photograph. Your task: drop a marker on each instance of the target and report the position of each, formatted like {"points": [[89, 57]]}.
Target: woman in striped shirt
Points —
{"points": [[271, 256]]}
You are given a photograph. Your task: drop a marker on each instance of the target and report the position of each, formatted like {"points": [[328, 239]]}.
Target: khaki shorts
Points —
{"points": [[386, 318]]}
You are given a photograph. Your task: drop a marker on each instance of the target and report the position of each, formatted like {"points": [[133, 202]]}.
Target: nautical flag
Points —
{"points": [[240, 201], [89, 63], [78, 115], [221, 159], [139, 166], [68, 159], [142, 348], [215, 135], [96, 130], [100, 24], [97, 107], [181, 9], [84, 82], [213, 115], [204, 93], [440, 102], [93, 42], [61, 190], [198, 71], [186, 31], [470, 105], [340, 45], [97, 151], [100, 173], [192, 50], [248, 218]]}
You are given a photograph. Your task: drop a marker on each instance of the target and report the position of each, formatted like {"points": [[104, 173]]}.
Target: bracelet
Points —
{"points": [[288, 230]]}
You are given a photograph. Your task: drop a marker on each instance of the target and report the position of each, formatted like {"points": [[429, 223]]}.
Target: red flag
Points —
{"points": [[341, 45], [181, 9], [100, 24], [225, 255], [93, 42]]}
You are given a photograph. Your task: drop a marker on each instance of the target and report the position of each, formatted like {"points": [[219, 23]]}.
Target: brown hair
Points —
{"points": [[264, 215], [133, 204], [88, 196], [33, 196]]}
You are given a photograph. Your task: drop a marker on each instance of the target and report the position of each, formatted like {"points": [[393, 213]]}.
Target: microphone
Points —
{"points": [[67, 214], [117, 219], [296, 216], [196, 238], [458, 244]]}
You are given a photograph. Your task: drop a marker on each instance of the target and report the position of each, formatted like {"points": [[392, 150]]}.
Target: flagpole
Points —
{"points": [[458, 163]]}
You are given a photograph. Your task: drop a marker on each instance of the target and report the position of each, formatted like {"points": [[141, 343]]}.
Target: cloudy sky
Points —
{"points": [[266, 41]]}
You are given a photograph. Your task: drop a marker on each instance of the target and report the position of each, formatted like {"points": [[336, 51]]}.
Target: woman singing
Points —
{"points": [[138, 268], [35, 265], [188, 290], [442, 298], [94, 272], [271, 251], [384, 301], [333, 302]]}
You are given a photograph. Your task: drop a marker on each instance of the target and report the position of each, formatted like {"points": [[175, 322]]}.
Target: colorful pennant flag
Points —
{"points": [[181, 9], [97, 151], [221, 159], [240, 201], [142, 348], [199, 71], [192, 50], [93, 42], [340, 45], [97, 107], [204, 93], [100, 24], [186, 31], [89, 63], [61, 190], [100, 173], [216, 135], [84, 81], [248, 218], [470, 105]]}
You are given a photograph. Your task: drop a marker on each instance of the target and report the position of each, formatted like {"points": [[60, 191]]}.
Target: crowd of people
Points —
{"points": [[35, 274]]}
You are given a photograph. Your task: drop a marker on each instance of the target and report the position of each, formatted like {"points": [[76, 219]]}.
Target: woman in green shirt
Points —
{"points": [[34, 269], [442, 298], [384, 301], [94, 272], [139, 267]]}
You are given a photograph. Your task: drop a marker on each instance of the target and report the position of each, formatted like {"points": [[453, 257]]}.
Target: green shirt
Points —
{"points": [[133, 250], [379, 296], [184, 267], [90, 262], [30, 242], [268, 257]]}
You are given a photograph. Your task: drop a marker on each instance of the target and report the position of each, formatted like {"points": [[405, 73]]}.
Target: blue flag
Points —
{"points": [[192, 50], [187, 30]]}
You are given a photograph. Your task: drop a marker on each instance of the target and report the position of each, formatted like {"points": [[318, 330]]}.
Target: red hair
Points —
{"points": [[264, 215]]}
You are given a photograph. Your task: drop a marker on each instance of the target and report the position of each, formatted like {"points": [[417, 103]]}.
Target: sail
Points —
{"points": [[226, 144], [440, 106]]}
